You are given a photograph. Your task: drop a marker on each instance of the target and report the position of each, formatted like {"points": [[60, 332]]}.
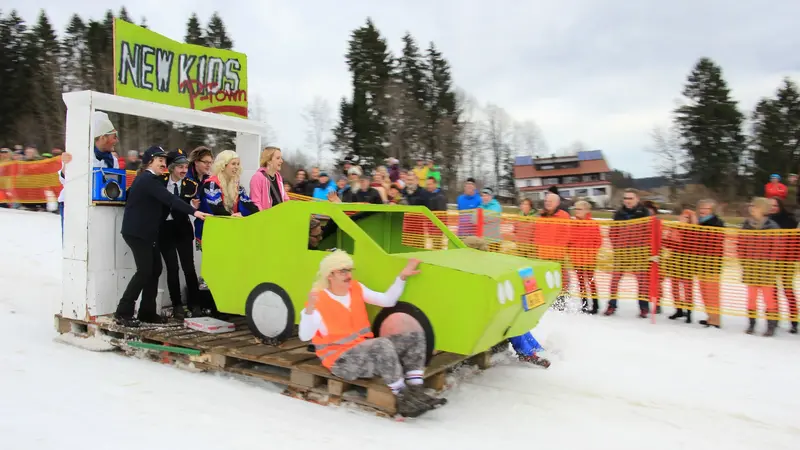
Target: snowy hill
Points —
{"points": [[615, 383]]}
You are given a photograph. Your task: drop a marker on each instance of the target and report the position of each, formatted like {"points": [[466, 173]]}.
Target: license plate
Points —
{"points": [[533, 300]]}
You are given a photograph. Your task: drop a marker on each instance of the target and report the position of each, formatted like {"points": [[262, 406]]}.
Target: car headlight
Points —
{"points": [[501, 293], [509, 290]]}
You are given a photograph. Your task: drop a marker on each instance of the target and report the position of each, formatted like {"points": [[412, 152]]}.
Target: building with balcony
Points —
{"points": [[583, 175]]}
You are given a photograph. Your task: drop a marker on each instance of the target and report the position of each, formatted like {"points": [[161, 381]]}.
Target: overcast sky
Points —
{"points": [[601, 72]]}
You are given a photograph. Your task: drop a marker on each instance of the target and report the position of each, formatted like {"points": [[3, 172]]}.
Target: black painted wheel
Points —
{"points": [[404, 318], [270, 313]]}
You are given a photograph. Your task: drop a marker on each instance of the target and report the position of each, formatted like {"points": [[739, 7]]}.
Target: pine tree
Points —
{"points": [[775, 144], [710, 126], [410, 111], [443, 117], [370, 63], [343, 134], [217, 37], [194, 31], [15, 77], [47, 108], [195, 136], [123, 14], [74, 56]]}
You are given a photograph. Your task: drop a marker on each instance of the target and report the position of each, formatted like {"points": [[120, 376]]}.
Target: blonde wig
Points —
{"points": [[229, 187], [337, 260]]}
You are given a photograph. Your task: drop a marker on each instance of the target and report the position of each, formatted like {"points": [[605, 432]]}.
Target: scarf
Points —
{"points": [[106, 157]]}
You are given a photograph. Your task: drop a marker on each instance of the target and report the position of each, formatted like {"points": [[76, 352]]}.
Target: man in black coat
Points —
{"points": [[144, 212], [176, 236], [626, 240], [435, 199]]}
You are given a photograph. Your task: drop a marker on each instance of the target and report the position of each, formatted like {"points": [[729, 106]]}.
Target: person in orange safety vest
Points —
{"points": [[335, 320]]}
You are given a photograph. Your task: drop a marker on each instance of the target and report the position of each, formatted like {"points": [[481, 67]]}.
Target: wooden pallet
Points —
{"points": [[290, 364]]}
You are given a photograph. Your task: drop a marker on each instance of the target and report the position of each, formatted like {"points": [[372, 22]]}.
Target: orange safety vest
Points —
{"points": [[346, 327]]}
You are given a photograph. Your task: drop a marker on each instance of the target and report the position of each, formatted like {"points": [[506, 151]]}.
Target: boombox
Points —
{"points": [[108, 185]]}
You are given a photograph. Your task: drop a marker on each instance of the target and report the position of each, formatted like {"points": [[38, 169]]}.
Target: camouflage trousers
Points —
{"points": [[388, 357]]}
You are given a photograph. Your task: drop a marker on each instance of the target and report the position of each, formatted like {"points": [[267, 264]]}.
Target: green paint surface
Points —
{"points": [[457, 288]]}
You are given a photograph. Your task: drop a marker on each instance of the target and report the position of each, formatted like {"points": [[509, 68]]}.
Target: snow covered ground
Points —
{"points": [[615, 383]]}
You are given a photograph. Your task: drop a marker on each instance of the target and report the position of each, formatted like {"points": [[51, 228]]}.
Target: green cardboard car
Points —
{"points": [[465, 300]]}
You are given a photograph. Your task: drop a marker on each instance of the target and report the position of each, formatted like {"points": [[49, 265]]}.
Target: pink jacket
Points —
{"points": [[259, 189]]}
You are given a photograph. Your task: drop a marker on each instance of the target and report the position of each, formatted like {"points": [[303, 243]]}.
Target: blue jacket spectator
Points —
{"points": [[324, 187]]}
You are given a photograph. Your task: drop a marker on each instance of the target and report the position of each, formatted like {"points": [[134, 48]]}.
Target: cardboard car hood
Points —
{"points": [[468, 260]]}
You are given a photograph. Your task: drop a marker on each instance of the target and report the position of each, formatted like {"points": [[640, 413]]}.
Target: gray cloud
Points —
{"points": [[604, 73]]}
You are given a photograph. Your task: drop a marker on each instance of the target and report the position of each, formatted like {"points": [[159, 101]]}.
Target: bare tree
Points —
{"points": [[318, 118], [498, 134], [258, 112], [472, 135], [528, 139], [670, 159]]}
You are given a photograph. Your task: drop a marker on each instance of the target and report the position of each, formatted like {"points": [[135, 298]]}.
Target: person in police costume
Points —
{"points": [[176, 236], [141, 222]]}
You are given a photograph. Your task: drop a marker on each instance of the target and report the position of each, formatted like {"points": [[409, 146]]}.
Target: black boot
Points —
{"points": [[794, 328], [596, 307], [408, 405], [584, 305], [688, 316], [752, 328], [678, 314], [771, 326]]}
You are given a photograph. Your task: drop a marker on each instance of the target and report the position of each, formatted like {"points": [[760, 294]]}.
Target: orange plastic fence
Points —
{"points": [[718, 270], [28, 181]]}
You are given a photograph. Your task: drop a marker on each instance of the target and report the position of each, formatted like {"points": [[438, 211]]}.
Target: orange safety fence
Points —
{"points": [[723, 271], [28, 181]]}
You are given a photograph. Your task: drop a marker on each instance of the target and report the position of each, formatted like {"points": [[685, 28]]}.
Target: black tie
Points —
{"points": [[175, 188]]}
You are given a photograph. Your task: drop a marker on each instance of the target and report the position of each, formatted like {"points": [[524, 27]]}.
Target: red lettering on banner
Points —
{"points": [[202, 92]]}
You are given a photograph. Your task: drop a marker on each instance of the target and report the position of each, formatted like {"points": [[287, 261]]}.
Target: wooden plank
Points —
{"points": [[436, 381], [442, 362], [306, 379], [268, 376], [337, 387], [255, 351], [383, 399], [225, 345], [483, 360], [288, 358]]}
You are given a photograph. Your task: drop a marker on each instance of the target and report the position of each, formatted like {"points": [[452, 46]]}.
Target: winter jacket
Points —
{"points": [[435, 201], [467, 219], [200, 180], [524, 229], [394, 173], [465, 201], [712, 249], [213, 201], [624, 236], [776, 190], [585, 241], [321, 191], [369, 196], [187, 190], [145, 208], [757, 251], [417, 197], [260, 189], [788, 243], [492, 216], [551, 235]]}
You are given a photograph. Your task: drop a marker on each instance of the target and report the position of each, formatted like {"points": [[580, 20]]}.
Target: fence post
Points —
{"points": [[479, 223], [655, 250]]}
